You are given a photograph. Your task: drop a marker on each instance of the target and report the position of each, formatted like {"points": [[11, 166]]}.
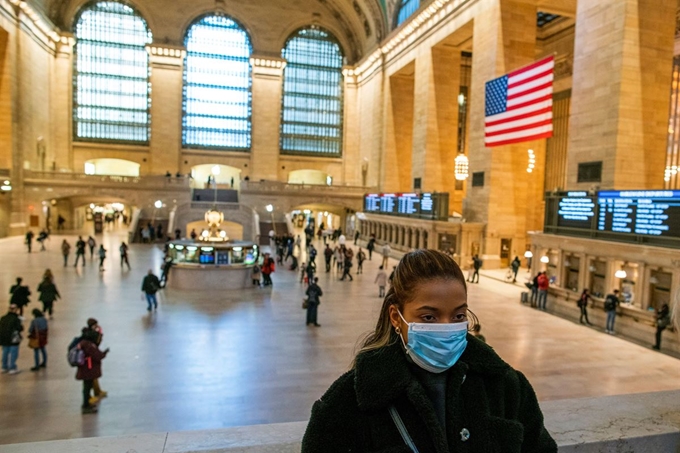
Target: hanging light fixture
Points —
{"points": [[545, 259], [528, 254], [621, 273], [461, 167], [532, 161]]}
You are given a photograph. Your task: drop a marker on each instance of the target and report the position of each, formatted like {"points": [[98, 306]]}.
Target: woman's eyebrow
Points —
{"points": [[427, 307]]}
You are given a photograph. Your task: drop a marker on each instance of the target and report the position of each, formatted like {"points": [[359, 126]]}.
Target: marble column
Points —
{"points": [[267, 89], [623, 53]]}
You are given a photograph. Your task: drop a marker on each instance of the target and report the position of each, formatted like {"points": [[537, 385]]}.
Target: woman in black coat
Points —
{"points": [[48, 292], [422, 383], [314, 294]]}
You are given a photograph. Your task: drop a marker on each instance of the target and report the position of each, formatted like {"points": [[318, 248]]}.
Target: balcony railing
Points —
{"points": [[150, 181], [283, 187]]}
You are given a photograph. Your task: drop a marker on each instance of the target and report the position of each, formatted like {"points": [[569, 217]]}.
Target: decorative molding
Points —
{"points": [[32, 21], [564, 66], [267, 67], [166, 51]]}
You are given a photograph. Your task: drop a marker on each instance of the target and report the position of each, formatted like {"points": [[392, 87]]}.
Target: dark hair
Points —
{"points": [[414, 269], [37, 313], [91, 335]]}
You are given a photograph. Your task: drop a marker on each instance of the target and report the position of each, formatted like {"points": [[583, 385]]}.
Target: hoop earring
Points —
{"points": [[397, 330]]}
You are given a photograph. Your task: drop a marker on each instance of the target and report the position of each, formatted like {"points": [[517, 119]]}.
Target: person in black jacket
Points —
{"points": [[313, 300], [420, 378], [48, 292], [10, 338], [663, 320], [151, 285], [20, 295]]}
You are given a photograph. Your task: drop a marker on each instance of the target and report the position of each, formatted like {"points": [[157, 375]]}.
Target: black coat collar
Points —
{"points": [[383, 375]]}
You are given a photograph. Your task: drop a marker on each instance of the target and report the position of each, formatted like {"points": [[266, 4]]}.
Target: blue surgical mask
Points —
{"points": [[435, 347]]}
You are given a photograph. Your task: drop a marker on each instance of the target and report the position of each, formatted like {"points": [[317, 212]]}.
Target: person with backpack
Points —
{"points": [[663, 320], [48, 292], [91, 367], [476, 265], [102, 257], [313, 300], [10, 338], [310, 270], [93, 325], [92, 244], [80, 251], [20, 295], [515, 265], [37, 339], [151, 285], [268, 267], [583, 305], [610, 303], [347, 265], [312, 253]]}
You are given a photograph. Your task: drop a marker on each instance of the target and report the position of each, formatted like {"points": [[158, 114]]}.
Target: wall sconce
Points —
{"points": [[544, 258]]}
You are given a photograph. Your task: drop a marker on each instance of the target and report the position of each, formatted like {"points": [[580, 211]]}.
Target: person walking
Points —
{"points": [[312, 253], [124, 255], [386, 250], [102, 257], [356, 236], [313, 300], [256, 274], [477, 263], [309, 272], [361, 257], [298, 243], [37, 339], [19, 296], [339, 257], [80, 251], [420, 382], [381, 280], [29, 240], [370, 247], [165, 273], [347, 265], [65, 251], [515, 265], [583, 305], [543, 286], [663, 320], [151, 285], [268, 267], [10, 338], [328, 255], [91, 369], [48, 292], [42, 237], [92, 244], [610, 303]]}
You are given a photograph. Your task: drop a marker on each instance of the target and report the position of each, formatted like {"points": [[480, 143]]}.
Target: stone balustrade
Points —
{"points": [[639, 423], [144, 182], [282, 187]]}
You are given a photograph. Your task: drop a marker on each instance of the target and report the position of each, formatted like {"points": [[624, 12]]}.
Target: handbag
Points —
{"points": [[33, 342], [305, 302]]}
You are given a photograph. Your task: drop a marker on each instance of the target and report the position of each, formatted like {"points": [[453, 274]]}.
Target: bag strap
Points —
{"points": [[402, 429]]}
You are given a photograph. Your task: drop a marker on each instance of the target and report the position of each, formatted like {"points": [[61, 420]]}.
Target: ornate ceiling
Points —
{"points": [[358, 24]]}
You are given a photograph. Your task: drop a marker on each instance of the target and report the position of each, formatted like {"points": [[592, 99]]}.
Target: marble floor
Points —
{"points": [[216, 359]]}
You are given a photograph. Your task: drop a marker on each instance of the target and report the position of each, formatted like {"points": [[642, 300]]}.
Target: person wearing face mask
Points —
{"points": [[422, 383]]}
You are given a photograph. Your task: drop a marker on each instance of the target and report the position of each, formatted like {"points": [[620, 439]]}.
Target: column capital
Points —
{"points": [[166, 55], [266, 66]]}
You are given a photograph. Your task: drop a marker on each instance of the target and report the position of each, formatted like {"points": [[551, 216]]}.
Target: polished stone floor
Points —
{"points": [[215, 359]]}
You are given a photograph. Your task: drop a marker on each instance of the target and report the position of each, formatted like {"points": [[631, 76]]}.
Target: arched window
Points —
{"points": [[217, 80], [406, 10], [311, 117], [111, 95]]}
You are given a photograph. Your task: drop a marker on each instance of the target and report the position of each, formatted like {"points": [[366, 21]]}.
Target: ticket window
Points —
{"points": [[659, 289], [598, 278], [572, 266], [627, 284], [552, 269]]}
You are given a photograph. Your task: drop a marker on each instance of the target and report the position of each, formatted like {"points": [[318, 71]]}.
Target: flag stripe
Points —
{"points": [[531, 70], [531, 125], [519, 134], [530, 97], [546, 134], [544, 79], [546, 60], [547, 97], [529, 119], [518, 113]]}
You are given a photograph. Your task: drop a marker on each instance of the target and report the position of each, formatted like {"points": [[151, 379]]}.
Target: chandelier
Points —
{"points": [[461, 167]]}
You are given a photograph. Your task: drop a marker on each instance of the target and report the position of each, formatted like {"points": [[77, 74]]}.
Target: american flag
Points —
{"points": [[519, 105]]}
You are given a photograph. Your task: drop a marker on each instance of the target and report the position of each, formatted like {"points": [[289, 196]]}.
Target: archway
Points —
{"points": [[314, 177], [113, 167], [227, 177]]}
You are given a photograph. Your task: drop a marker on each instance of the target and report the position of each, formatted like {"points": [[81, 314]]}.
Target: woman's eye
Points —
{"points": [[428, 318], [461, 317]]}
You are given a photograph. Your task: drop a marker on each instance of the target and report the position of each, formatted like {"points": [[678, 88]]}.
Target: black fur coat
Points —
{"points": [[490, 408]]}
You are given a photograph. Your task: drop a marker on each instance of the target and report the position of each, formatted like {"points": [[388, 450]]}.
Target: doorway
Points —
{"points": [[506, 248]]}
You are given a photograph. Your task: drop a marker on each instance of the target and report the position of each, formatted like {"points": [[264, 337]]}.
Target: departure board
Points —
{"points": [[372, 202], [388, 203], [430, 206], [409, 204], [643, 212], [576, 210]]}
